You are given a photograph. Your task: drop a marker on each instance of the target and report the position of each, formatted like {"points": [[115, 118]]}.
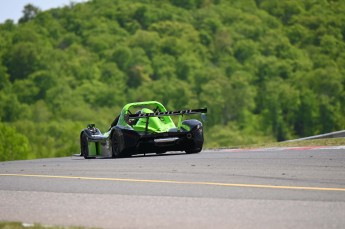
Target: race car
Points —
{"points": [[144, 127]]}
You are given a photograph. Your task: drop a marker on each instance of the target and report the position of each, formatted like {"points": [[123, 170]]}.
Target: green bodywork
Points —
{"points": [[94, 148], [156, 124]]}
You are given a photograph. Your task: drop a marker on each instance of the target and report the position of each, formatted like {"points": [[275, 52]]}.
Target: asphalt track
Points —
{"points": [[262, 188]]}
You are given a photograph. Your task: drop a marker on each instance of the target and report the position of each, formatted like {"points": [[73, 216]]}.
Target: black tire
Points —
{"points": [[115, 145], [84, 146], [195, 150]]}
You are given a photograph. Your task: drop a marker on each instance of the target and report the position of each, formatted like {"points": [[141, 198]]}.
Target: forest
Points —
{"points": [[266, 70]]}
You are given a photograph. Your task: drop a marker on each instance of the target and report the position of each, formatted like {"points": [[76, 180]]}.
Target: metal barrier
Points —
{"points": [[336, 134]]}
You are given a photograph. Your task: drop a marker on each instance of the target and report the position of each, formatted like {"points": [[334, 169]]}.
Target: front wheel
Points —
{"points": [[84, 146]]}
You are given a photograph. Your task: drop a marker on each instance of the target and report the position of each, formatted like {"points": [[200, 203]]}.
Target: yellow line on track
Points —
{"points": [[179, 182]]}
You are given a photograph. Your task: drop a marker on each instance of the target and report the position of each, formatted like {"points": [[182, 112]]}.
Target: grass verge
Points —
{"points": [[315, 142], [17, 225]]}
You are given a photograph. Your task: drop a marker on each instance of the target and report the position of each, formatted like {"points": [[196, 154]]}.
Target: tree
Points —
{"points": [[306, 122], [241, 99], [123, 57], [146, 40], [4, 78], [186, 66], [280, 105], [22, 60], [245, 49], [163, 66], [29, 12], [188, 4], [284, 10], [14, 146]]}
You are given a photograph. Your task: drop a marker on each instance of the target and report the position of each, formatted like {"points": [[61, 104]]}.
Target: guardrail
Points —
{"points": [[336, 134]]}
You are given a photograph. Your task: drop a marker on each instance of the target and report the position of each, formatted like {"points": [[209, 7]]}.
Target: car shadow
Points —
{"points": [[78, 157], [157, 155]]}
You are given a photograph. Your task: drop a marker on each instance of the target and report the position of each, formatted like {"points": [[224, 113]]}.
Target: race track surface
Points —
{"points": [[261, 188]]}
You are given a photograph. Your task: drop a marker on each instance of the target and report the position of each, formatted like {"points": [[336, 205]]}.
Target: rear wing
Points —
{"points": [[166, 113]]}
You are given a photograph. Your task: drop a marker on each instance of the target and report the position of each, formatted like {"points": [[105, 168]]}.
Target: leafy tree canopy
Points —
{"points": [[266, 70]]}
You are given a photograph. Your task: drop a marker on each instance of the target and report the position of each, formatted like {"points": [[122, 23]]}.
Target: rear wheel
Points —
{"points": [[195, 150], [115, 145]]}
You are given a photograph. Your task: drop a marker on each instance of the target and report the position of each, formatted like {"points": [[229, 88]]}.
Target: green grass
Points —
{"points": [[17, 225], [316, 142]]}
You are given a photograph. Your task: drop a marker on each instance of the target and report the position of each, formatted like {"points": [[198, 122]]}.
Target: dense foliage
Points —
{"points": [[266, 70]]}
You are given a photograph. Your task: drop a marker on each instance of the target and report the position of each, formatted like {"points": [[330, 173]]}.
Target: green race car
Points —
{"points": [[144, 127]]}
